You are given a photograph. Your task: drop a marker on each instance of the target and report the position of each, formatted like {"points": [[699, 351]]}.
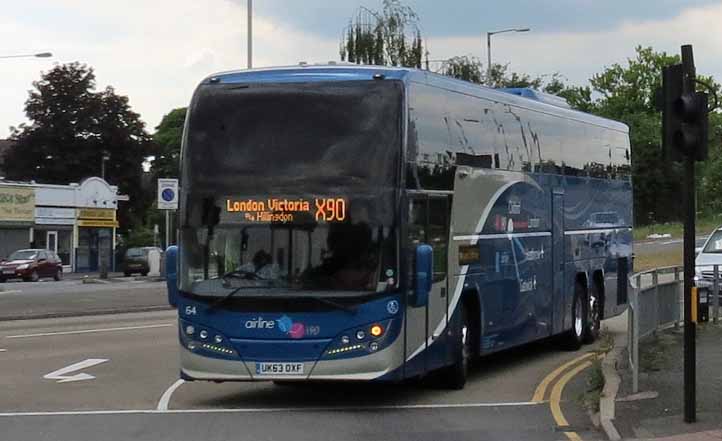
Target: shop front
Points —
{"points": [[96, 238], [54, 231], [17, 204]]}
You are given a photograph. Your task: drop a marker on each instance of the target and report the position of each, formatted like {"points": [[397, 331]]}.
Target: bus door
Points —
{"points": [[557, 259], [428, 223]]}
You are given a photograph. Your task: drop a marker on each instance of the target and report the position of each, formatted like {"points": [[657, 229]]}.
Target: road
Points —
{"points": [[655, 246], [73, 298], [127, 363]]}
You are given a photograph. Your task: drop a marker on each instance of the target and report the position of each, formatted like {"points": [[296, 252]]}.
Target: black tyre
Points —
{"points": [[594, 315], [126, 274], [58, 275], [144, 274], [455, 375], [574, 337], [34, 277]]}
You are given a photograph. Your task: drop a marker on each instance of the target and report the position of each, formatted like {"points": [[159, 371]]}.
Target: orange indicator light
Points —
{"points": [[377, 330]]}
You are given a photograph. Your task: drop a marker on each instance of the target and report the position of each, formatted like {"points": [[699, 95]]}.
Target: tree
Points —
{"points": [[72, 127], [627, 94], [464, 68], [167, 138], [390, 37]]}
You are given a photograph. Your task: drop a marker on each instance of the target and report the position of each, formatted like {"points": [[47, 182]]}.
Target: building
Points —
{"points": [[77, 221]]}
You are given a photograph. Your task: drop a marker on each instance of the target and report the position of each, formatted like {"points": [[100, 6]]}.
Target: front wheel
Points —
{"points": [[34, 277], [58, 275], [456, 374]]}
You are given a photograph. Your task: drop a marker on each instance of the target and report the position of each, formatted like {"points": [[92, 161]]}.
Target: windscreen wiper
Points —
{"points": [[236, 274]]}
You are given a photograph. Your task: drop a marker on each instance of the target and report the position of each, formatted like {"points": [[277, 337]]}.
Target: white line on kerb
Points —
{"points": [[278, 409], [90, 331], [3, 350], [165, 398]]}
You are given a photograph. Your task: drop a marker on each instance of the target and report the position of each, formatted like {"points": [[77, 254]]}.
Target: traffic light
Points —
{"points": [[684, 118]]}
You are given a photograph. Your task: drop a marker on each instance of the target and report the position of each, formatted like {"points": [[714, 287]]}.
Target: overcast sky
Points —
{"points": [[156, 51]]}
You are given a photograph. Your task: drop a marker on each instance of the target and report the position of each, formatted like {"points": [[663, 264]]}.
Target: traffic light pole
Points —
{"points": [[690, 350], [690, 331]]}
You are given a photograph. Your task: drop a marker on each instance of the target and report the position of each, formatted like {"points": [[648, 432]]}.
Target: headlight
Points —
{"points": [[23, 266]]}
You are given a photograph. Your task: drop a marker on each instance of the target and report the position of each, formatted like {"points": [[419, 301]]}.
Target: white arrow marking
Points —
{"points": [[61, 376]]}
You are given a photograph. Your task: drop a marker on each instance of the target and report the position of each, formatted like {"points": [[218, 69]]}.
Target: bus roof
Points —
{"points": [[531, 100]]}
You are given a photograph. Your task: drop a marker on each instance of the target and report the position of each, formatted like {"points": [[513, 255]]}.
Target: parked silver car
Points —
{"points": [[709, 255]]}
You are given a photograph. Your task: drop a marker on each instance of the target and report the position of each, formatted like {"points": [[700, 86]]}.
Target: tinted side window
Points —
{"points": [[429, 142]]}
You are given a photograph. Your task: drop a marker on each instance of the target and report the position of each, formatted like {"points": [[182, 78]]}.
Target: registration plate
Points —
{"points": [[8, 271], [279, 368]]}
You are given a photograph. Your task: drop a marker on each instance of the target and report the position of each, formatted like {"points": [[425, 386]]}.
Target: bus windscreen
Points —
{"points": [[291, 187]]}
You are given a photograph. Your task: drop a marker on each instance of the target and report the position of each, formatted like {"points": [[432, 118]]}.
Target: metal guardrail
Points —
{"points": [[656, 302]]}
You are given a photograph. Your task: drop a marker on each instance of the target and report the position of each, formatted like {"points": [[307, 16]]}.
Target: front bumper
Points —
{"points": [[368, 367], [14, 273]]}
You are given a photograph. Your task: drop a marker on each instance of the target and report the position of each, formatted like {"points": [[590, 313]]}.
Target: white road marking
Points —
{"points": [[89, 331], [14, 291], [165, 398], [61, 374], [278, 409], [3, 350]]}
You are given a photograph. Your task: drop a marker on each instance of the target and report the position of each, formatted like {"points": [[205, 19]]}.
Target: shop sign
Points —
{"points": [[96, 213], [54, 216], [98, 223], [17, 204]]}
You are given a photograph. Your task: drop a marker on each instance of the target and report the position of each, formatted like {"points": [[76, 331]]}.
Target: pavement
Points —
{"points": [[115, 377], [657, 413]]}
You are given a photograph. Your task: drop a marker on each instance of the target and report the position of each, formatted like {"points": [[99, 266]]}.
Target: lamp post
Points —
{"points": [[488, 48], [38, 55]]}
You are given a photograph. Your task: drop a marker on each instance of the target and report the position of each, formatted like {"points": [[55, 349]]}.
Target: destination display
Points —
{"points": [[281, 210]]}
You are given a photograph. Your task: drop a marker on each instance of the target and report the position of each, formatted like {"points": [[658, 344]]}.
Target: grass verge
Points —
{"points": [[643, 262], [589, 399], [676, 229]]}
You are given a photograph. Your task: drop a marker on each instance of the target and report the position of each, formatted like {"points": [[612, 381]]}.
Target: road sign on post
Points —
{"points": [[168, 194], [167, 200], [684, 135]]}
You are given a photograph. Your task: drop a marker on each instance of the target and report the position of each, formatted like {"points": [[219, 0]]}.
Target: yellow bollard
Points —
{"points": [[695, 304]]}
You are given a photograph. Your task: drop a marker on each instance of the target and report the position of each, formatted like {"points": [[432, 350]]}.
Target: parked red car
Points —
{"points": [[31, 265]]}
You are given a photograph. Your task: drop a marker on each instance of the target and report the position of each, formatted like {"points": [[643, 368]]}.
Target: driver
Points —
{"points": [[262, 265]]}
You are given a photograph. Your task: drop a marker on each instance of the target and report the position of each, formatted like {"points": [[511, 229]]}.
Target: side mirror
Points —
{"points": [[171, 274], [424, 274], [697, 250]]}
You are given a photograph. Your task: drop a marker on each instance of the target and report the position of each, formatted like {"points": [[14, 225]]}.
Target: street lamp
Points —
{"points": [[38, 55], [488, 48]]}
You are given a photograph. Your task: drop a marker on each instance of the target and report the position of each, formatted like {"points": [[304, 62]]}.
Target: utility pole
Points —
{"points": [[250, 34], [684, 138]]}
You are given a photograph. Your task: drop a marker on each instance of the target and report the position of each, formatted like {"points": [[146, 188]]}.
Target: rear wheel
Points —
{"points": [[573, 338], [594, 315], [126, 274], [144, 274], [456, 374], [58, 275]]}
